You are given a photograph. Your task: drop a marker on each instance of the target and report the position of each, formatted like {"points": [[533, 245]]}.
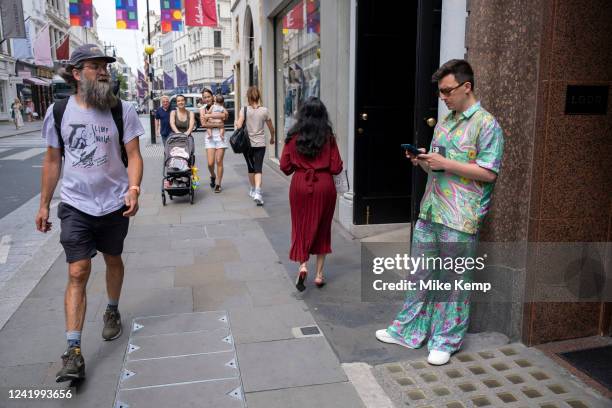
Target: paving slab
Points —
{"points": [[191, 343], [259, 324], [288, 363], [225, 296], [205, 394], [199, 274], [188, 357], [254, 270], [178, 323], [159, 258], [337, 395], [271, 292]]}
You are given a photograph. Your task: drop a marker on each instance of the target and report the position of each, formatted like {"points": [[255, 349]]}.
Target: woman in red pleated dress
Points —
{"points": [[312, 155]]}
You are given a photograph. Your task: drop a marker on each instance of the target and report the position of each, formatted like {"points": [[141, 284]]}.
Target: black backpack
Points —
{"points": [[240, 141], [59, 108]]}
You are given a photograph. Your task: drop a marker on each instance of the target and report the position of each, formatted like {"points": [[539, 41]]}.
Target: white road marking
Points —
{"points": [[26, 154], [5, 247]]}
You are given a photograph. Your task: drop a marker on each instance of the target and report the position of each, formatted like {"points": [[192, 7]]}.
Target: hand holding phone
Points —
{"points": [[411, 149]]}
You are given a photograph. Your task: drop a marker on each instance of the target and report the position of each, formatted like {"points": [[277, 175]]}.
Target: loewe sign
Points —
{"points": [[586, 100]]}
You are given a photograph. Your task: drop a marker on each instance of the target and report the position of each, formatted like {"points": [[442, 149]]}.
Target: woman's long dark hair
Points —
{"points": [[312, 128]]}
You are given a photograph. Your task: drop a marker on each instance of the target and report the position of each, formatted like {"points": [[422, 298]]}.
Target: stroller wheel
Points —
{"points": [[192, 194], [163, 199]]}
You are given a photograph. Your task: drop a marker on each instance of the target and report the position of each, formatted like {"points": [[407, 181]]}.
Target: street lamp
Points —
{"points": [[149, 50]]}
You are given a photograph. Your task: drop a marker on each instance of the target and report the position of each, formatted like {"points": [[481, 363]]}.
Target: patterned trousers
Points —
{"points": [[443, 316]]}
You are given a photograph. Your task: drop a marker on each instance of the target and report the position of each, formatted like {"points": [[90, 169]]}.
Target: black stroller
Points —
{"points": [[179, 158]]}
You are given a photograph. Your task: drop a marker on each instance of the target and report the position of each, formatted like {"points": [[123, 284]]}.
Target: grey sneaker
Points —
{"points": [[112, 325], [73, 366]]}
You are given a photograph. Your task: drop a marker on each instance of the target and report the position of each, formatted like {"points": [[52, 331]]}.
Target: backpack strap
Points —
{"points": [[117, 113], [59, 108]]}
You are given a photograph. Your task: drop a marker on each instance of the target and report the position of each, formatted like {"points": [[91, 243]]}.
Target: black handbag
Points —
{"points": [[240, 141]]}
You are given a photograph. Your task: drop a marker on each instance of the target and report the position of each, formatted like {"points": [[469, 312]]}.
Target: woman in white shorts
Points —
{"points": [[215, 147]]}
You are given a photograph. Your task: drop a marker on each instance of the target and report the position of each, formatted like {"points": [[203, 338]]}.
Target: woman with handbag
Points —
{"points": [[312, 155], [256, 117], [215, 147]]}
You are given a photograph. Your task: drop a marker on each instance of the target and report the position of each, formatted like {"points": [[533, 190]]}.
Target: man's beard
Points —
{"points": [[98, 94]]}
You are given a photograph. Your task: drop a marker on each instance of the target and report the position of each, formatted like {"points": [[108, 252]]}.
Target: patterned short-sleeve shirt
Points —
{"points": [[452, 200]]}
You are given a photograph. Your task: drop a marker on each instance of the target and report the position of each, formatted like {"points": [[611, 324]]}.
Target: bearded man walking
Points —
{"points": [[96, 134]]}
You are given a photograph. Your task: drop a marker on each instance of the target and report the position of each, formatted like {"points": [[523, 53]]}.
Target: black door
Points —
{"points": [[392, 44]]}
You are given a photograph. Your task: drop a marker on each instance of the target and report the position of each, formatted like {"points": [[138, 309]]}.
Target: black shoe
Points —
{"points": [[73, 366], [212, 182], [217, 188], [112, 325]]}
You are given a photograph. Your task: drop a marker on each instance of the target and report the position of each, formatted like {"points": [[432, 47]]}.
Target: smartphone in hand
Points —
{"points": [[412, 149]]}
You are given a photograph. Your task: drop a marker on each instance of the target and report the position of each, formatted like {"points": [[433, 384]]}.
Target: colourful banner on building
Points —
{"points": [[294, 19], [168, 81], [313, 16], [181, 77], [171, 16], [63, 51], [81, 13], [127, 14], [42, 48], [201, 13]]}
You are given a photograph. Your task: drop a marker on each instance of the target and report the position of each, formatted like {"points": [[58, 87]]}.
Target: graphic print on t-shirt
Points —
{"points": [[83, 142]]}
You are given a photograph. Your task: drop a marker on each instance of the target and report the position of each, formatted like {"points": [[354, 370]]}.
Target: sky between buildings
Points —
{"points": [[128, 42]]}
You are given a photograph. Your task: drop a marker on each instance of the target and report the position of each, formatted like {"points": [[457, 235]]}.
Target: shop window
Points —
{"points": [[298, 57]]}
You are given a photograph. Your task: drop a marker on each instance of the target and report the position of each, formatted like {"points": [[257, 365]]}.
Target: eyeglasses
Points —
{"points": [[97, 66], [448, 91]]}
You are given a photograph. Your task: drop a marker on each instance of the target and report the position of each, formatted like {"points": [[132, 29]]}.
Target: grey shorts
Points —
{"points": [[82, 235]]}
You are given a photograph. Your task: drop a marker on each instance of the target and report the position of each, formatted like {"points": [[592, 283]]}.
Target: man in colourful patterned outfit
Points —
{"points": [[462, 166]]}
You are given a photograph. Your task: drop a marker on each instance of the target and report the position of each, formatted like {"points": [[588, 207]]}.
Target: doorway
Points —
{"points": [[396, 55]]}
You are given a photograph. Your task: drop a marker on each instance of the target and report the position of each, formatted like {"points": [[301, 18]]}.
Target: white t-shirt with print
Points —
{"points": [[95, 179]]}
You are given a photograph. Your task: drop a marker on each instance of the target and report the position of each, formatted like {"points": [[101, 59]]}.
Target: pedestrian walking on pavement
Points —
{"points": [[16, 109], [462, 166], [311, 155], [256, 117], [162, 119], [215, 147], [96, 134], [182, 120]]}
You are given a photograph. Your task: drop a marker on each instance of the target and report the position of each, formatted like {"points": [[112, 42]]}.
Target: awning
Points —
{"points": [[37, 81]]}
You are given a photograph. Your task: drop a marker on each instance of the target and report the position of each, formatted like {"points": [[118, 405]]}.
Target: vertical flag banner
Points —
{"points": [[201, 13], [181, 77], [171, 15], [22, 47], [294, 20], [168, 81], [127, 14], [81, 13], [63, 51], [42, 48], [313, 16], [13, 25]]}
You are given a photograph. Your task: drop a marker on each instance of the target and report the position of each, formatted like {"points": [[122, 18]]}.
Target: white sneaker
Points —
{"points": [[385, 337], [258, 198], [437, 357], [251, 192]]}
